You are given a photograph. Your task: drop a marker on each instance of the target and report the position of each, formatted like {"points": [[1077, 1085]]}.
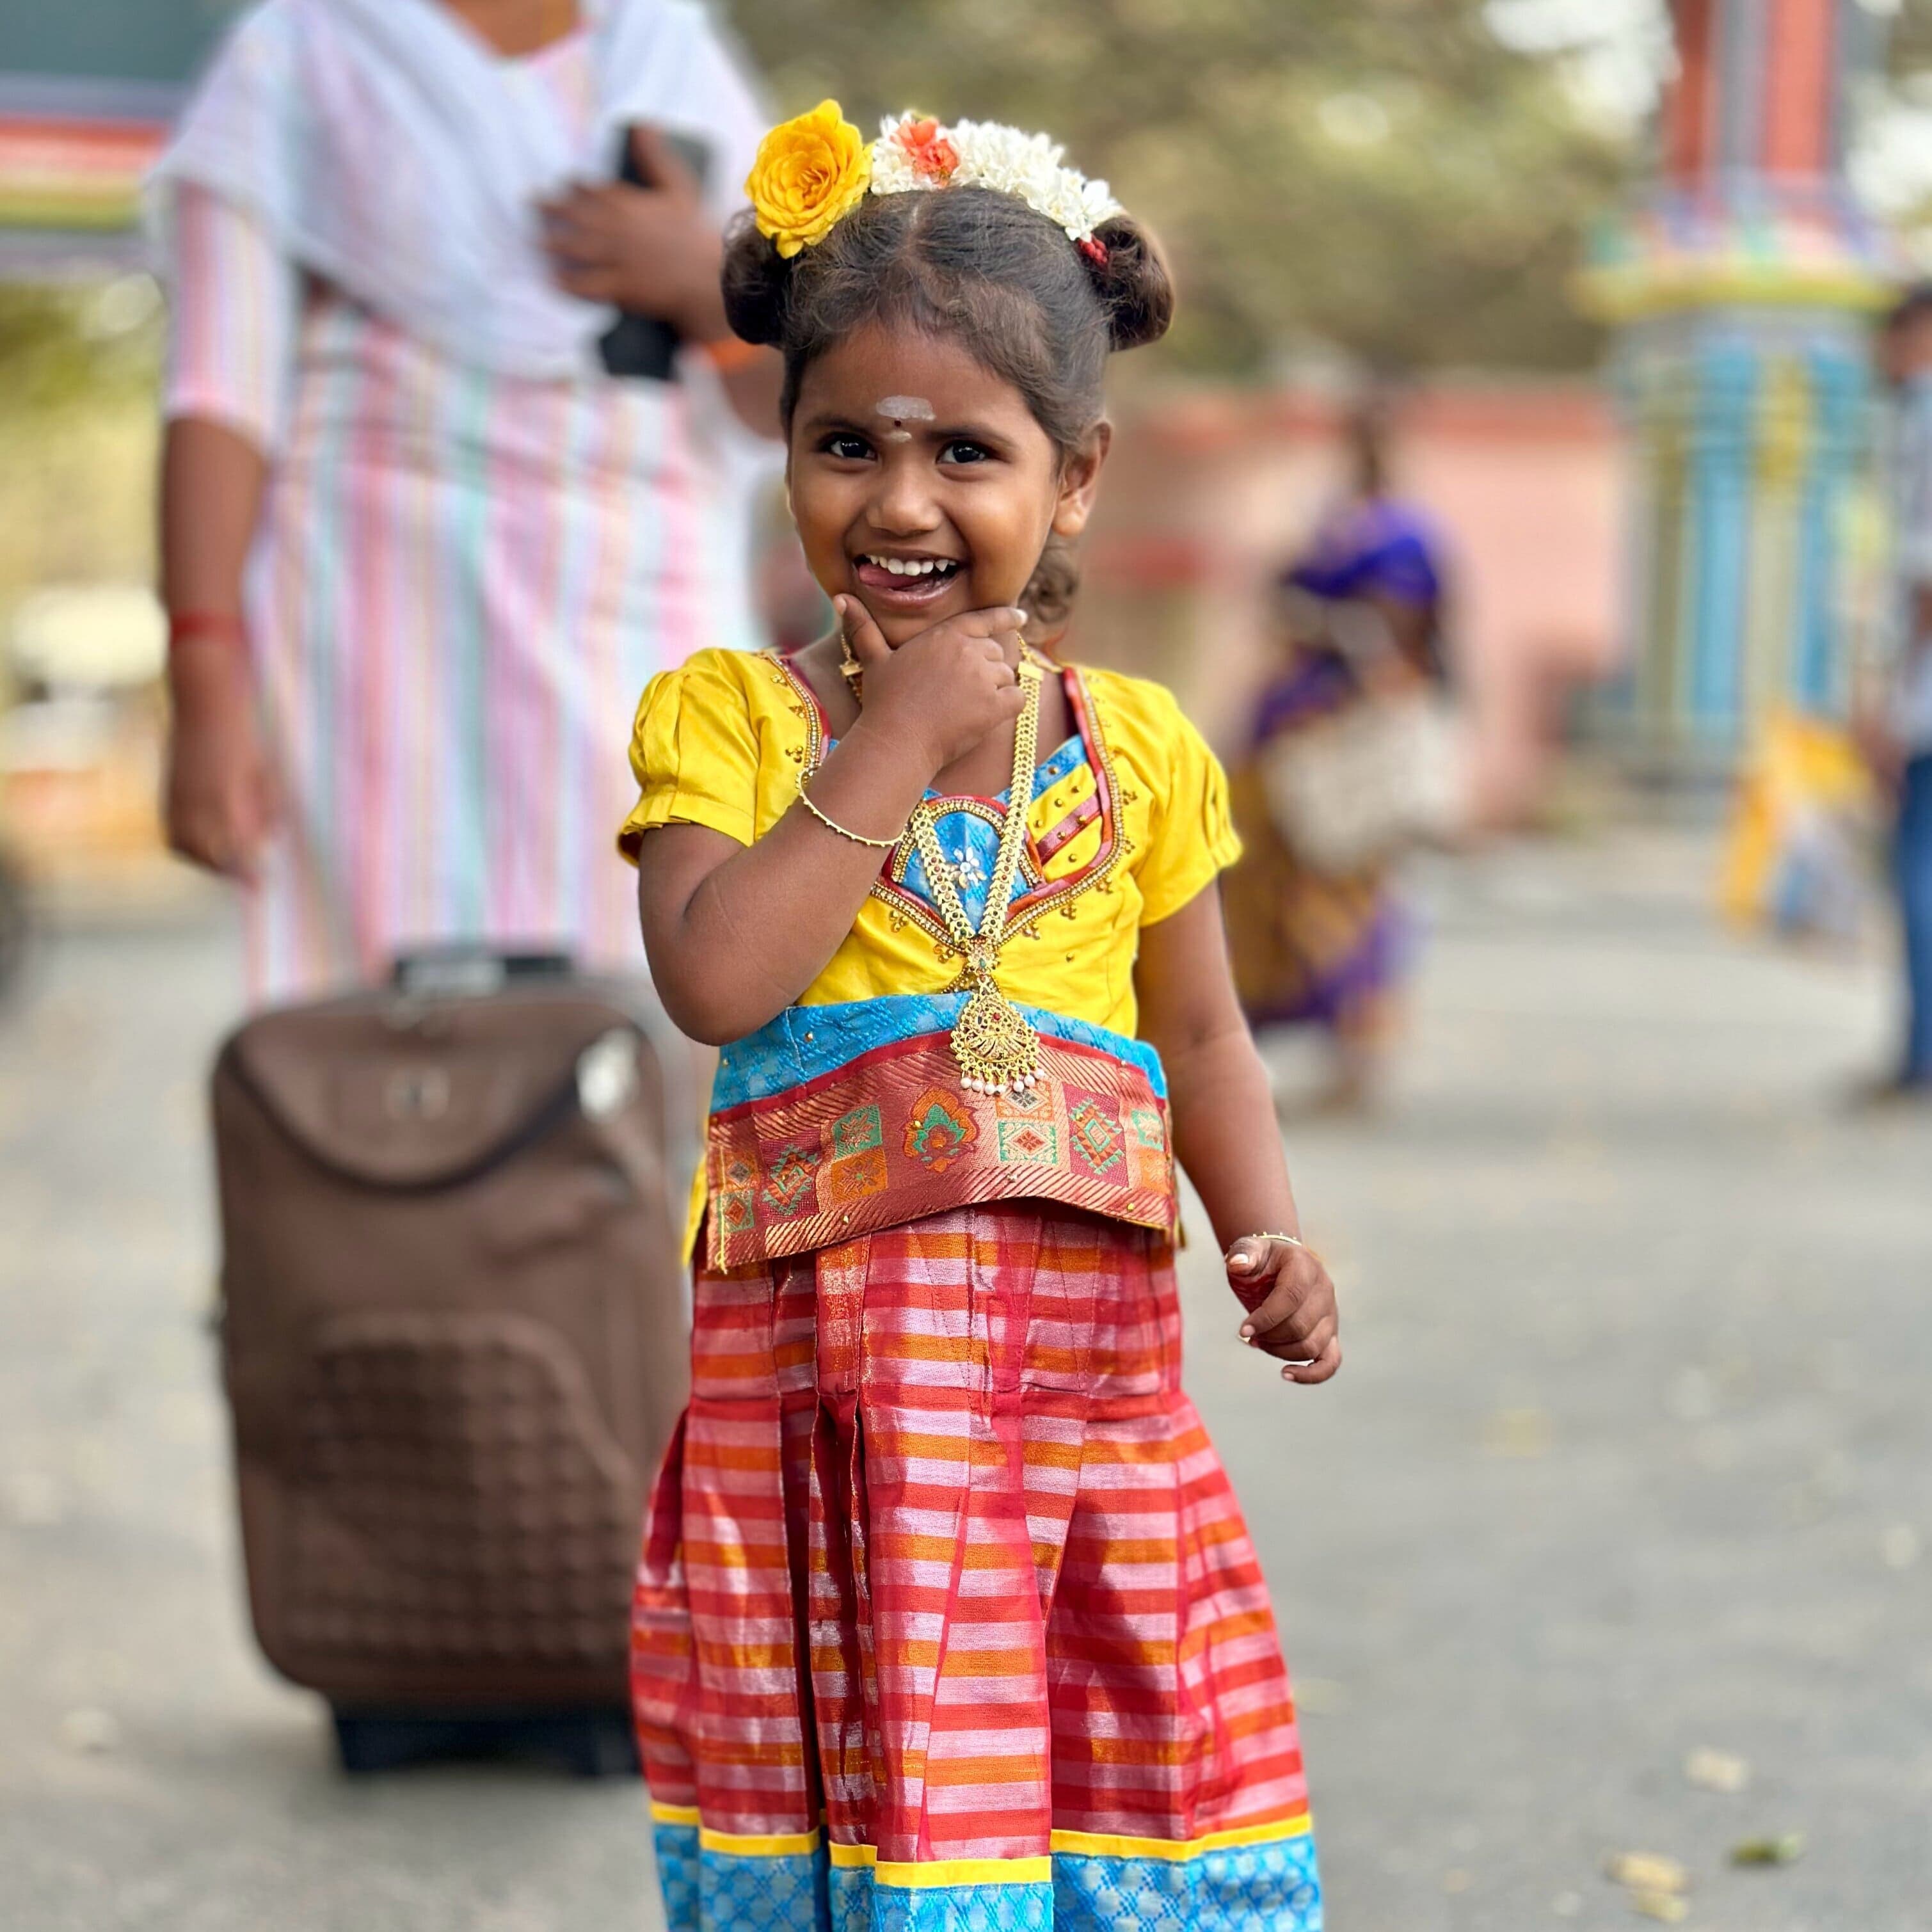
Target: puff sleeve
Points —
{"points": [[694, 752], [1191, 837]]}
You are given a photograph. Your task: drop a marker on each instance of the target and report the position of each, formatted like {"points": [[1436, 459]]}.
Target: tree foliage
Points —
{"points": [[1382, 177]]}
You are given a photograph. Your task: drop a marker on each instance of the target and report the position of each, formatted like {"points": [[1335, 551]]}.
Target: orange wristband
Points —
{"points": [[729, 354]]}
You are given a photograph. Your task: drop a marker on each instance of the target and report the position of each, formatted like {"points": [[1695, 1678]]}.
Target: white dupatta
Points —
{"points": [[389, 150]]}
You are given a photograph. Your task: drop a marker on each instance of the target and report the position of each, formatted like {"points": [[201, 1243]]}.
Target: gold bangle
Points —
{"points": [[831, 824], [1293, 1241]]}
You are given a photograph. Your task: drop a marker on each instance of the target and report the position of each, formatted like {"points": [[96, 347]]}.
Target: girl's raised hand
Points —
{"points": [[1290, 1305], [948, 687]]}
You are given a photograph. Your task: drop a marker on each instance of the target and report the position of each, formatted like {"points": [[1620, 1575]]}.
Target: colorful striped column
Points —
{"points": [[1741, 288]]}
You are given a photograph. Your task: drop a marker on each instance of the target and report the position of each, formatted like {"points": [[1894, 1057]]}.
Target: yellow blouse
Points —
{"points": [[1119, 840]]}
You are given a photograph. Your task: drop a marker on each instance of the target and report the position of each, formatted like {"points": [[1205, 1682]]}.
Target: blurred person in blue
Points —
{"points": [[452, 466], [1898, 739], [1318, 937]]}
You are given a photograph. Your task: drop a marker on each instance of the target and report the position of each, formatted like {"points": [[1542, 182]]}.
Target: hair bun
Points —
{"points": [[757, 283], [1132, 282]]}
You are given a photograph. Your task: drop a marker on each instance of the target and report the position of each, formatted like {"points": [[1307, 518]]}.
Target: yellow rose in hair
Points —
{"points": [[809, 173]]}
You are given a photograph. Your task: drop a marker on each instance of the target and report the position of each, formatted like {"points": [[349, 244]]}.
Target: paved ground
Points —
{"points": [[1632, 1455]]}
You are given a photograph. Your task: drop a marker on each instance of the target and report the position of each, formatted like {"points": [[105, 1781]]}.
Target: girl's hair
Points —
{"points": [[983, 269]]}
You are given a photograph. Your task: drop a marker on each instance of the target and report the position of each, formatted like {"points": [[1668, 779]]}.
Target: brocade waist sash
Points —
{"points": [[836, 1121]]}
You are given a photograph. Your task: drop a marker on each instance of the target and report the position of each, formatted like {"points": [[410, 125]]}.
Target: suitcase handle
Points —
{"points": [[562, 1105], [459, 971]]}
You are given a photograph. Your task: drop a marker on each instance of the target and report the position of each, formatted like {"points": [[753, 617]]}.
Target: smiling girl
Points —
{"points": [[946, 1616]]}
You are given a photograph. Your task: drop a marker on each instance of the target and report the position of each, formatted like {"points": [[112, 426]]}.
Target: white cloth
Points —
{"points": [[381, 145], [1912, 558]]}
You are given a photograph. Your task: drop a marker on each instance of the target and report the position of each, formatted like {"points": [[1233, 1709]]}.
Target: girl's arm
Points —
{"points": [[735, 933], [1226, 1135]]}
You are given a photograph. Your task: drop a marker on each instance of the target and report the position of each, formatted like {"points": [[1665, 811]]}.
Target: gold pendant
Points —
{"points": [[996, 1050]]}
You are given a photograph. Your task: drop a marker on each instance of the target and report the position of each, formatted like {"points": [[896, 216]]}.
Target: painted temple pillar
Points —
{"points": [[1741, 289]]}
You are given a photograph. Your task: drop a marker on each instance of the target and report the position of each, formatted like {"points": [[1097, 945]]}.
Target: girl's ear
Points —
{"points": [[1080, 481]]}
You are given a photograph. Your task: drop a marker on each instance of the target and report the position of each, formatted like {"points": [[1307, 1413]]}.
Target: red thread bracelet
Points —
{"points": [[221, 626]]}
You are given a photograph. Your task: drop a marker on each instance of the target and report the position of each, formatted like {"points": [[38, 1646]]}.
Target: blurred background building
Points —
{"points": [[1618, 260]]}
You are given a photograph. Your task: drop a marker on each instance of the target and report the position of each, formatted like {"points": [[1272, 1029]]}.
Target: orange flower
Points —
{"points": [[931, 154]]}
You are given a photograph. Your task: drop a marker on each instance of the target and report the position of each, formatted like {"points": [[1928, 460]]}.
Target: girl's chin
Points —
{"points": [[902, 614]]}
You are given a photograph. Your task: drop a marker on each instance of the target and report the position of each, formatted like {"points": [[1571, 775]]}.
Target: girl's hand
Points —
{"points": [[947, 688], [1291, 1304], [219, 797]]}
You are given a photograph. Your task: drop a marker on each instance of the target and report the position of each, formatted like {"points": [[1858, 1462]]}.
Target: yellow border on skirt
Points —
{"points": [[906, 1876], [1110, 1845], [978, 1871]]}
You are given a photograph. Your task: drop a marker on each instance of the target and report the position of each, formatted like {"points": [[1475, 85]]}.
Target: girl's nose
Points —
{"points": [[903, 503]]}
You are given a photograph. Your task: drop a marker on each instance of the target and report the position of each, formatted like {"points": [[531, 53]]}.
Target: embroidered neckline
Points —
{"points": [[1043, 895]]}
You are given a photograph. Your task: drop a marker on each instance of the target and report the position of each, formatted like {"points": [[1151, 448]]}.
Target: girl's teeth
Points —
{"points": [[908, 566]]}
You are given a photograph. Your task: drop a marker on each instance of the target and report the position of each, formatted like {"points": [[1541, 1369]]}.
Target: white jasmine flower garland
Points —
{"points": [[914, 152]]}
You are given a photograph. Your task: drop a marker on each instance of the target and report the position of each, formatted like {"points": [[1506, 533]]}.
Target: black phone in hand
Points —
{"points": [[646, 345]]}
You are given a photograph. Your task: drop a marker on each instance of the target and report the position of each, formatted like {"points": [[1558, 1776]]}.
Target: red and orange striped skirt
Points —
{"points": [[946, 1616]]}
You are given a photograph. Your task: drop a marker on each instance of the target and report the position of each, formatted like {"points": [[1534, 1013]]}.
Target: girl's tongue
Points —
{"points": [[899, 587]]}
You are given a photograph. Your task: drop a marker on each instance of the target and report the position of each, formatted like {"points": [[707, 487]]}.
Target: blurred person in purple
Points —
{"points": [[1898, 738], [425, 535], [1358, 618]]}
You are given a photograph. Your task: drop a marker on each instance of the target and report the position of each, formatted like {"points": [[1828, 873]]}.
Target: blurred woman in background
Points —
{"points": [[1342, 770], [421, 546]]}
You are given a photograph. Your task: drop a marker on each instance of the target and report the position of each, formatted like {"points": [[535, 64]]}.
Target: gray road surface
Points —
{"points": [[1632, 1455]]}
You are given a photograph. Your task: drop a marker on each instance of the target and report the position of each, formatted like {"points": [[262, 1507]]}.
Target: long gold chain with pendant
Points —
{"points": [[996, 1050]]}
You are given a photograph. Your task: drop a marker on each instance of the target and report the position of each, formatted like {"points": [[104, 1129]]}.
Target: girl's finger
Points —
{"points": [[987, 623], [1275, 1307], [1296, 1343], [1323, 1366], [868, 641]]}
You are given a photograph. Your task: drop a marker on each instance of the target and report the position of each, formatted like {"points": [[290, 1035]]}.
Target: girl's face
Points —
{"points": [[921, 484]]}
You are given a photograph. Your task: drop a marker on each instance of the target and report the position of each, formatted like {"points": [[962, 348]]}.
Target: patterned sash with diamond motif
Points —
{"points": [[890, 1135]]}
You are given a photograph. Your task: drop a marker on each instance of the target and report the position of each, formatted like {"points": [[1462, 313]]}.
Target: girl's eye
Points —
{"points": [[959, 450], [847, 447]]}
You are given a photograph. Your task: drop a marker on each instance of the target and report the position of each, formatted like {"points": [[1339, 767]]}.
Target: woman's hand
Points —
{"points": [[946, 688], [1291, 1304], [1878, 743], [219, 797], [651, 251]]}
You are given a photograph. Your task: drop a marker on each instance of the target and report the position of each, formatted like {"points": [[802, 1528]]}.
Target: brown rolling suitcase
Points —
{"points": [[455, 1342]]}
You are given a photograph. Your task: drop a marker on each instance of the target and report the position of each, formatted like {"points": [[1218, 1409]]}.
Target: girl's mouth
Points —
{"points": [[906, 582]]}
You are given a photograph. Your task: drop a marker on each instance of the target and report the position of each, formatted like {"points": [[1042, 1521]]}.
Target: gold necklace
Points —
{"points": [[996, 1050]]}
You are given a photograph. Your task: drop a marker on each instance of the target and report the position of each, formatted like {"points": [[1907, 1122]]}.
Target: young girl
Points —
{"points": [[946, 1616]]}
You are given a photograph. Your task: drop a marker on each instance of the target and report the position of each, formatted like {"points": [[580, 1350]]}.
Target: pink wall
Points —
{"points": [[1210, 490]]}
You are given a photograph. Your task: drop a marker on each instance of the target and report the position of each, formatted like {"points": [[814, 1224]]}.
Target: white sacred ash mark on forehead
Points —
{"points": [[906, 408]]}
